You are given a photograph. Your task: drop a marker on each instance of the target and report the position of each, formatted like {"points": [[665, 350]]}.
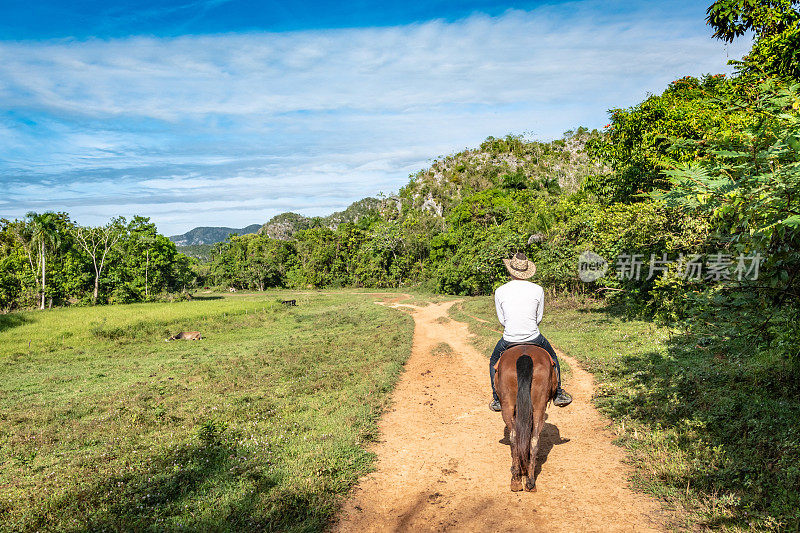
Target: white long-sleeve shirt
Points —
{"points": [[519, 305]]}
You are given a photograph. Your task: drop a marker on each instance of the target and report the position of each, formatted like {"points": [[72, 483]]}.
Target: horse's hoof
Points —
{"points": [[516, 486], [530, 488]]}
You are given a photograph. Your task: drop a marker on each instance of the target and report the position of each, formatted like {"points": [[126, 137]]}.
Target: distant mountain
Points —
{"points": [[198, 251], [210, 235], [510, 162], [281, 226], [285, 225]]}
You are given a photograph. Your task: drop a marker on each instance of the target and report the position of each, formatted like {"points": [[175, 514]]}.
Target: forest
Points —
{"points": [[691, 198]]}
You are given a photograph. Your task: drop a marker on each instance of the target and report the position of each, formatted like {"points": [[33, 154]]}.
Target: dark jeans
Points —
{"points": [[502, 345]]}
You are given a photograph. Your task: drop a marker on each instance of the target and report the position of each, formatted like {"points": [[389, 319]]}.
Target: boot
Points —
{"points": [[562, 399]]}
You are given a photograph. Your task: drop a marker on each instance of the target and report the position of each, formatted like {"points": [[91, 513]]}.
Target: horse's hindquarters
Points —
{"points": [[524, 383]]}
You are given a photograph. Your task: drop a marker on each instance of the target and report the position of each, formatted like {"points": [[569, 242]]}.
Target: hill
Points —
{"points": [[511, 162], [210, 235], [285, 225], [198, 251]]}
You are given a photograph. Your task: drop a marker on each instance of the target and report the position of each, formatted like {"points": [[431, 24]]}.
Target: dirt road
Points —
{"points": [[444, 463]]}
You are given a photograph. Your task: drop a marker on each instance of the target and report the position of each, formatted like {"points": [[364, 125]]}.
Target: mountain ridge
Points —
{"points": [[511, 161], [281, 226], [210, 234]]}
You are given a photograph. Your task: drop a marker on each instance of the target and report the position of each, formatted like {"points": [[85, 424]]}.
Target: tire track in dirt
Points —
{"points": [[444, 462]]}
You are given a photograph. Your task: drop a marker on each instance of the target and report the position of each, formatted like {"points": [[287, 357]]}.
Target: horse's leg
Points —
{"points": [[508, 418], [538, 424]]}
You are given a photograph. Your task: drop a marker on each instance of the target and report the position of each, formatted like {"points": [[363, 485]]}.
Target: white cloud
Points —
{"points": [[340, 113]]}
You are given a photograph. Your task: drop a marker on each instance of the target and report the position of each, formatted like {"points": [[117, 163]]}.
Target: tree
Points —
{"points": [[97, 242], [148, 241], [639, 142], [143, 264], [22, 231], [775, 25], [750, 190], [11, 261], [44, 235]]}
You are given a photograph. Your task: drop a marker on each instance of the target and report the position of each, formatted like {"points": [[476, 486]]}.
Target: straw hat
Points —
{"points": [[519, 266]]}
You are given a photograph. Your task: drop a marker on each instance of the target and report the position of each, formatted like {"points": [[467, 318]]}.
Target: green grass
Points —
{"points": [[263, 425], [260, 426], [713, 433]]}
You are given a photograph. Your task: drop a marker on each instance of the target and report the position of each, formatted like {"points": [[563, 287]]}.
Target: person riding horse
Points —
{"points": [[520, 305]]}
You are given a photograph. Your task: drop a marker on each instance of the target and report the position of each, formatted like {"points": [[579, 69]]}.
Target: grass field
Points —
{"points": [[263, 425], [260, 426], [714, 435]]}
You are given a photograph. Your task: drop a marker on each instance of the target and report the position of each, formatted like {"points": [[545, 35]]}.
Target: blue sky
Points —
{"points": [[214, 112]]}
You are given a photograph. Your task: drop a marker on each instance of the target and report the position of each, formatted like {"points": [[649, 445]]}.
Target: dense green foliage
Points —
{"points": [[776, 25], [122, 262], [639, 143], [748, 187], [201, 252]]}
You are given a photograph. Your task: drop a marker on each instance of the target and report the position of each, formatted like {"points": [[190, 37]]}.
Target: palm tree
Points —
{"points": [[44, 236]]}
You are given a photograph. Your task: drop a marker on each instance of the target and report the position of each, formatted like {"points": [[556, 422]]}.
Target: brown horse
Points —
{"points": [[526, 380]]}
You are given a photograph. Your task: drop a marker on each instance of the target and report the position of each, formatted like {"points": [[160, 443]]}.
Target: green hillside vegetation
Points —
{"points": [[364, 208], [511, 162], [284, 226], [201, 252]]}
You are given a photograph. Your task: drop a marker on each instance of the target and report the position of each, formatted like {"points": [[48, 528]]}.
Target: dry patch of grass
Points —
{"points": [[442, 350]]}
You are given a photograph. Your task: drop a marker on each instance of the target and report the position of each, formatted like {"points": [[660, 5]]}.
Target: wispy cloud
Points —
{"points": [[237, 127]]}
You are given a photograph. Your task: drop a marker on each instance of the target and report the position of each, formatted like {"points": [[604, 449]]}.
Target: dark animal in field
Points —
{"points": [[526, 380], [289, 303], [186, 335]]}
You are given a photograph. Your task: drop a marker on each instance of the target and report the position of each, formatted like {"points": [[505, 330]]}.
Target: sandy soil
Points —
{"points": [[444, 461]]}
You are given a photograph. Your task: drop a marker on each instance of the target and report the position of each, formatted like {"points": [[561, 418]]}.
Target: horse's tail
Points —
{"points": [[523, 425]]}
